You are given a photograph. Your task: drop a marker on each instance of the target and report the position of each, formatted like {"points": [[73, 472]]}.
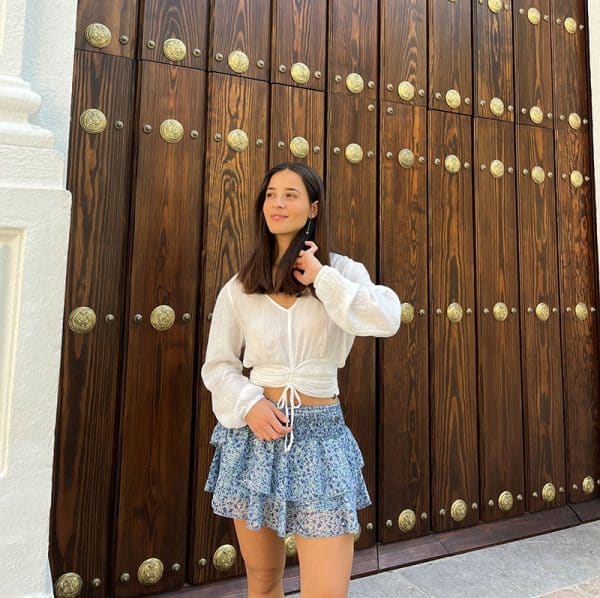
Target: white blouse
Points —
{"points": [[299, 348]]}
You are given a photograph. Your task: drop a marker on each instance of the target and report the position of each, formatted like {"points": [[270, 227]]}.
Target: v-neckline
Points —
{"points": [[281, 306]]}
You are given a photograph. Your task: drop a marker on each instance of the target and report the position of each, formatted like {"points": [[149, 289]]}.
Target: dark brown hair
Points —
{"points": [[256, 274]]}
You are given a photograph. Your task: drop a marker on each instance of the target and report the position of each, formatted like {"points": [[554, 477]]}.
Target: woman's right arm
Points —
{"points": [[233, 395]]}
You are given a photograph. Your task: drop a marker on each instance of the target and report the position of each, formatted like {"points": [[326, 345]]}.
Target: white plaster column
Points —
{"points": [[34, 229], [594, 35]]}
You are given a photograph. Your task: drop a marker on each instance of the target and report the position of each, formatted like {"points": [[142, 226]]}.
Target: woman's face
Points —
{"points": [[287, 206]]}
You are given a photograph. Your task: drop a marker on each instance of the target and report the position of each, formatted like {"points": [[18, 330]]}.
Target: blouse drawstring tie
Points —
{"points": [[289, 401]]}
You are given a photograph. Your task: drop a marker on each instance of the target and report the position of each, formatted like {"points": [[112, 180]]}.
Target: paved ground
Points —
{"points": [[561, 564]]}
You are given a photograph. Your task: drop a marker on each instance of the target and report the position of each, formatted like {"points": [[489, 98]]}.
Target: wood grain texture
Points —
{"points": [[297, 112], [87, 424], [352, 205], [352, 46], [578, 284], [403, 48], [569, 63], [157, 406], [241, 25], [541, 343], [450, 48], [120, 16], [533, 62], [403, 473], [182, 20], [501, 458], [493, 60], [300, 35], [453, 398], [232, 181]]}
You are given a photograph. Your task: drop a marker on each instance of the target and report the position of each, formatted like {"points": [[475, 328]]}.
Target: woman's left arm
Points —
{"points": [[355, 303]]}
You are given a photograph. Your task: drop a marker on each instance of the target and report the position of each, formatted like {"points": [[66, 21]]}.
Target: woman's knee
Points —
{"points": [[264, 581]]}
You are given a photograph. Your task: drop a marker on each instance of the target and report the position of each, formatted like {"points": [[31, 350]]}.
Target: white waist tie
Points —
{"points": [[289, 401]]}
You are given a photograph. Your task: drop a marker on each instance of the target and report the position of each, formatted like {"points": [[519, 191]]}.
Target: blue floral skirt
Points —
{"points": [[313, 490]]}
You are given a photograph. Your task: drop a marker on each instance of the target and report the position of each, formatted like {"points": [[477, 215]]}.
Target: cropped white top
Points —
{"points": [[299, 348]]}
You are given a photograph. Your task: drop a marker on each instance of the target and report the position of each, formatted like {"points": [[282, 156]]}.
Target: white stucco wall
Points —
{"points": [[36, 57]]}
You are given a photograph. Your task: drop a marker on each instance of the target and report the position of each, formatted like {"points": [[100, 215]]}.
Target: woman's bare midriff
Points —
{"points": [[273, 394]]}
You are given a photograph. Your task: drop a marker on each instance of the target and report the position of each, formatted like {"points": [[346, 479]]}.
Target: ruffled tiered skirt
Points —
{"points": [[313, 490]]}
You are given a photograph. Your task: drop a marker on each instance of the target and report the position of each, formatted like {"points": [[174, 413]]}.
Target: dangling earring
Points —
{"points": [[308, 226]]}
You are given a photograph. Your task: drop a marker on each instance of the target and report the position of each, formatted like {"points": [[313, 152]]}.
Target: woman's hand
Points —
{"points": [[308, 263], [267, 421]]}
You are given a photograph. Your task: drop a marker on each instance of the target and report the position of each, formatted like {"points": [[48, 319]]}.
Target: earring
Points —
{"points": [[308, 226]]}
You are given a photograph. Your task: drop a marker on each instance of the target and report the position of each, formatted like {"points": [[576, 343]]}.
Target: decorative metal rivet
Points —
{"points": [[588, 485], [458, 510], [406, 91], [281, 145], [218, 137], [109, 318], [421, 159], [124, 578], [82, 320], [138, 318], [555, 310], [576, 179], [536, 114], [406, 158], [482, 102], [93, 121], [123, 40], [337, 151], [497, 169], [529, 310], [407, 313], [574, 120], [389, 87], [219, 57], [175, 567], [186, 317], [299, 147], [238, 61], [561, 490], [535, 495], [437, 161], [421, 312], [467, 165], [452, 164], [259, 142], [370, 154], [519, 497], [467, 101], [469, 311], [354, 83], [538, 175], [486, 311], [224, 557], [316, 149], [407, 520], [318, 74], [424, 516], [371, 107], [453, 99], [569, 310], [290, 545], [353, 153], [389, 155], [581, 311], [282, 68], [390, 110], [490, 503], [534, 16], [338, 78], [68, 585], [97, 35], [174, 49], [202, 563], [389, 523], [171, 130], [371, 84], [196, 52], [505, 501], [370, 526], [260, 64], [237, 140], [150, 571], [483, 167], [548, 492], [151, 44], [442, 512], [162, 317], [523, 110], [119, 125], [513, 310], [194, 134], [542, 312], [438, 311], [474, 506], [438, 96], [421, 92], [300, 73]]}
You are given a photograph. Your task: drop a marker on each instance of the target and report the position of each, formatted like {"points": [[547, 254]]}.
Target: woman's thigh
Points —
{"points": [[263, 552], [325, 565]]}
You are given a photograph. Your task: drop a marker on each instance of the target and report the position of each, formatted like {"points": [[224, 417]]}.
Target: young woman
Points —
{"points": [[285, 461]]}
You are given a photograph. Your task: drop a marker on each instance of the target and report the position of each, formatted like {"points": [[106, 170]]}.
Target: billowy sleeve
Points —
{"points": [[354, 302], [233, 395]]}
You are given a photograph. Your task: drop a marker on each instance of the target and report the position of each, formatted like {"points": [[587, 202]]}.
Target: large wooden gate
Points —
{"points": [[454, 140]]}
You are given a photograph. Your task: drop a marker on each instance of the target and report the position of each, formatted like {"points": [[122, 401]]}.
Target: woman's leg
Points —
{"points": [[263, 552], [325, 565]]}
